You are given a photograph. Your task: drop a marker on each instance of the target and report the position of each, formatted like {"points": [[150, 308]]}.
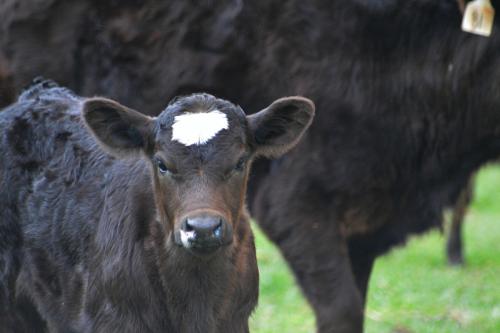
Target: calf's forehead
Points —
{"points": [[202, 124]]}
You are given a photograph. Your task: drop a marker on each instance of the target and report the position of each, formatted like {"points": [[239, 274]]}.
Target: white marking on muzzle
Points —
{"points": [[185, 237], [198, 128]]}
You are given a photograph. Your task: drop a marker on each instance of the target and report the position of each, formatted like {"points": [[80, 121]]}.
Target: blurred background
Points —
{"points": [[412, 289]]}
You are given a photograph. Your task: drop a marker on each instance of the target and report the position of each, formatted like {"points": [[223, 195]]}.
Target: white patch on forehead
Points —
{"points": [[198, 128]]}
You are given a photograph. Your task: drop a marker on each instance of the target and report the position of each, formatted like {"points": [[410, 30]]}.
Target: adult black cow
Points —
{"points": [[408, 107], [155, 239]]}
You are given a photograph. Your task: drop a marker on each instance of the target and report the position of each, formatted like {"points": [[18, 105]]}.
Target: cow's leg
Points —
{"points": [[17, 313], [318, 256], [26, 318], [236, 325], [10, 240], [362, 265], [322, 267], [454, 245]]}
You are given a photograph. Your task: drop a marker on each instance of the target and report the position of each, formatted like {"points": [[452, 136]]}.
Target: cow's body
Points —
{"points": [[408, 108]]}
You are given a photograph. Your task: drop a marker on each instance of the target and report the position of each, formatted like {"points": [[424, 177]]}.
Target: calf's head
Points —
{"points": [[200, 149]]}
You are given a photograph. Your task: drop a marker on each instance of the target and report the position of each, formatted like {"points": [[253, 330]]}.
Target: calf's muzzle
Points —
{"points": [[204, 233]]}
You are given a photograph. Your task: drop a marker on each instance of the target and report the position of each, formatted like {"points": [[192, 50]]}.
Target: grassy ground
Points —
{"points": [[411, 289]]}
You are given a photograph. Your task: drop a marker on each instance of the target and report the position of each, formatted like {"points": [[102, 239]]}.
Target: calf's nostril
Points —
{"points": [[218, 230], [188, 227], [202, 225]]}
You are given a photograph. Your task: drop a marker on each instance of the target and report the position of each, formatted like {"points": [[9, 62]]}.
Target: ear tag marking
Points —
{"points": [[478, 17]]}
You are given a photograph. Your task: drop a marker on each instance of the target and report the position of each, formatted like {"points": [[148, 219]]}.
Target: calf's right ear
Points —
{"points": [[277, 128], [119, 130]]}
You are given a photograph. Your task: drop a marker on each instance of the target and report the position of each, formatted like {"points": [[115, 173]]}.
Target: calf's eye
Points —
{"points": [[240, 166], [162, 168]]}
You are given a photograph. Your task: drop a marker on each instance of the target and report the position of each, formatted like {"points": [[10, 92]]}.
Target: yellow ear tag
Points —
{"points": [[478, 17]]}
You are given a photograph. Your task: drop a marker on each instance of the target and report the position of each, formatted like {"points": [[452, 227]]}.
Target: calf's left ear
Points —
{"points": [[277, 128], [120, 130]]}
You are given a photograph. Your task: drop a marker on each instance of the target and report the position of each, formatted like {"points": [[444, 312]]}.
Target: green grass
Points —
{"points": [[411, 288]]}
